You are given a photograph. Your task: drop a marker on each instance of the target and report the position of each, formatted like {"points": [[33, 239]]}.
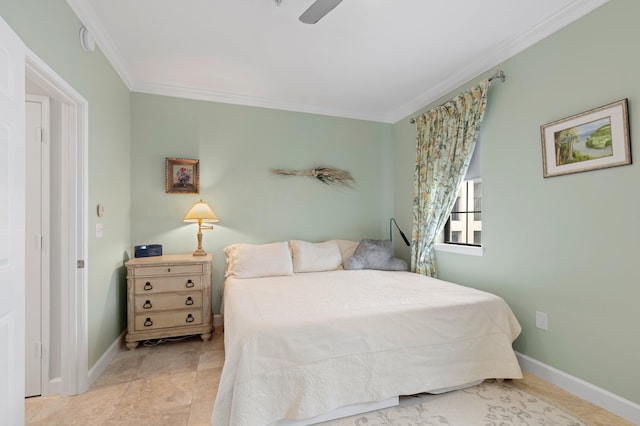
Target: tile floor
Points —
{"points": [[175, 384]]}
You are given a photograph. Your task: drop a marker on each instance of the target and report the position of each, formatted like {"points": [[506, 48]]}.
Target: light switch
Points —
{"points": [[99, 230]]}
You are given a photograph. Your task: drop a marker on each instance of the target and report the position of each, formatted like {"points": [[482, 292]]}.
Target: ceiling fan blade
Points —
{"points": [[317, 10]]}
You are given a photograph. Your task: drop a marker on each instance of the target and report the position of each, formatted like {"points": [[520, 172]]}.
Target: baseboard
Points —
{"points": [[102, 363], [611, 402], [218, 320], [55, 387], [218, 323]]}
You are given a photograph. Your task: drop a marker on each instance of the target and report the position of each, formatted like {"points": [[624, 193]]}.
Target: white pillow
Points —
{"points": [[315, 257], [258, 260]]}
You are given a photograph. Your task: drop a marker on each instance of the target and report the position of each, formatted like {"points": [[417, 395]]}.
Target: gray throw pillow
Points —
{"points": [[375, 254]]}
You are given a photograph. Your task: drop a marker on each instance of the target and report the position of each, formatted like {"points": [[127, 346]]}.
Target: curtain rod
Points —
{"points": [[498, 75]]}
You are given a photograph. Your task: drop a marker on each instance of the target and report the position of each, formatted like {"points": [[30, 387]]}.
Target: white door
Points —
{"points": [[12, 226], [37, 238]]}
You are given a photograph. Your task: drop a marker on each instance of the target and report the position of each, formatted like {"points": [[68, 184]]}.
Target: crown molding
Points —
{"points": [[230, 98], [476, 67], [498, 55], [87, 16]]}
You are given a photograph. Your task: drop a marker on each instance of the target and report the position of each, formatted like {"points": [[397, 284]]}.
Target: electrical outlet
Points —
{"points": [[541, 320]]}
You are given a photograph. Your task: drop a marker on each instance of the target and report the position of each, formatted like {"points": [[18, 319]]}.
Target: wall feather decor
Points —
{"points": [[326, 175]]}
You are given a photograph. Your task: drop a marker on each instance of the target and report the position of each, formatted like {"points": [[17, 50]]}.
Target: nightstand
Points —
{"points": [[168, 296]]}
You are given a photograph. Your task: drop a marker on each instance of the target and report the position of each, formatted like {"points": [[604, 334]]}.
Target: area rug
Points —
{"points": [[490, 403]]}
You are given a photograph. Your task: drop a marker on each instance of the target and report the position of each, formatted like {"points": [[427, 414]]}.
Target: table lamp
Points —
{"points": [[201, 212]]}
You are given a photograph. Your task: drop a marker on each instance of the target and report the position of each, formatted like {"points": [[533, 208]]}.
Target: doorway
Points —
{"points": [[64, 302]]}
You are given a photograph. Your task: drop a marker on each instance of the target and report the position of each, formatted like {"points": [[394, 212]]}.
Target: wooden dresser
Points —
{"points": [[168, 296]]}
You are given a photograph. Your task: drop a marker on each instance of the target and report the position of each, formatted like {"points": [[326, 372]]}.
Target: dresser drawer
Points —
{"points": [[150, 271], [155, 320], [152, 285], [166, 301]]}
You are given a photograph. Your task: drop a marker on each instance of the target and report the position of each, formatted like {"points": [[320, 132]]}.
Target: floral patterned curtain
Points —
{"points": [[446, 137]]}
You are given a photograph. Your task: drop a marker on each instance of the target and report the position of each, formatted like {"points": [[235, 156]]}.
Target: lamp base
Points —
{"points": [[199, 252]]}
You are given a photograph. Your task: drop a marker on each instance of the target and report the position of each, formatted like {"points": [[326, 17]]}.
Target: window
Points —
{"points": [[456, 208], [477, 200], [462, 233], [464, 225], [477, 237]]}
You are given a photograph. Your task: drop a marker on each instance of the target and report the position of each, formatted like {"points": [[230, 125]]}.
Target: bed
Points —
{"points": [[307, 341]]}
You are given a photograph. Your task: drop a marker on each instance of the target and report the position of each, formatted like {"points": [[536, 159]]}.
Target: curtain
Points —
{"points": [[446, 137]]}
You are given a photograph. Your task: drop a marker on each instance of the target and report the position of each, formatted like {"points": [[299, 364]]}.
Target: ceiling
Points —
{"points": [[378, 60]]}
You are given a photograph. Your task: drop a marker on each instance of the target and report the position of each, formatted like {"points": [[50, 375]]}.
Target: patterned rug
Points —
{"points": [[487, 404]]}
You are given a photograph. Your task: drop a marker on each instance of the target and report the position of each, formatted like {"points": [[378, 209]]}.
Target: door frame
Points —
{"points": [[73, 226]]}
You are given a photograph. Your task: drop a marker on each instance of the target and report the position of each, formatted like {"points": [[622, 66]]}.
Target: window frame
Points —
{"points": [[459, 249]]}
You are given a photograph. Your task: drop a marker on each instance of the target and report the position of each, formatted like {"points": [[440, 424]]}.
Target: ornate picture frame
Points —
{"points": [[182, 176], [595, 139]]}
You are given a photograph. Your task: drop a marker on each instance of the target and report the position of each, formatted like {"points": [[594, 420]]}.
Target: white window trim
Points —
{"points": [[460, 249]]}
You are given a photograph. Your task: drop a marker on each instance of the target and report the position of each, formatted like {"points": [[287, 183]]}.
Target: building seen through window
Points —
{"points": [[465, 222]]}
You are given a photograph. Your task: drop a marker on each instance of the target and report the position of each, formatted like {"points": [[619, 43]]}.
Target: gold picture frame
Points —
{"points": [[182, 176], [595, 139]]}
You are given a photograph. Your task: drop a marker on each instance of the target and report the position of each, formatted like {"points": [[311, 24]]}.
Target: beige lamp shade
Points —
{"points": [[201, 211]]}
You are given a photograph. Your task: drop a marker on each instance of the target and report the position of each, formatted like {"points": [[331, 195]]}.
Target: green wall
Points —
{"points": [[50, 29], [566, 245], [237, 147]]}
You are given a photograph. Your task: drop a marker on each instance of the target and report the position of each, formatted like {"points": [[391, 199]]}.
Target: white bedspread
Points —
{"points": [[298, 346]]}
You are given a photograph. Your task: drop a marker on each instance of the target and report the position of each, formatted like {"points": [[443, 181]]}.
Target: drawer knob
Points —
{"points": [[190, 284], [189, 301], [148, 286], [147, 304], [190, 318], [148, 322]]}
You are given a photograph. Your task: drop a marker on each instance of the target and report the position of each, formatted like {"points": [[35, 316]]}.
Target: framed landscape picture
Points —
{"points": [[182, 176], [594, 139]]}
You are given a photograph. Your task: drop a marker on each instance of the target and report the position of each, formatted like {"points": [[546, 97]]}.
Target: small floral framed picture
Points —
{"points": [[182, 176]]}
